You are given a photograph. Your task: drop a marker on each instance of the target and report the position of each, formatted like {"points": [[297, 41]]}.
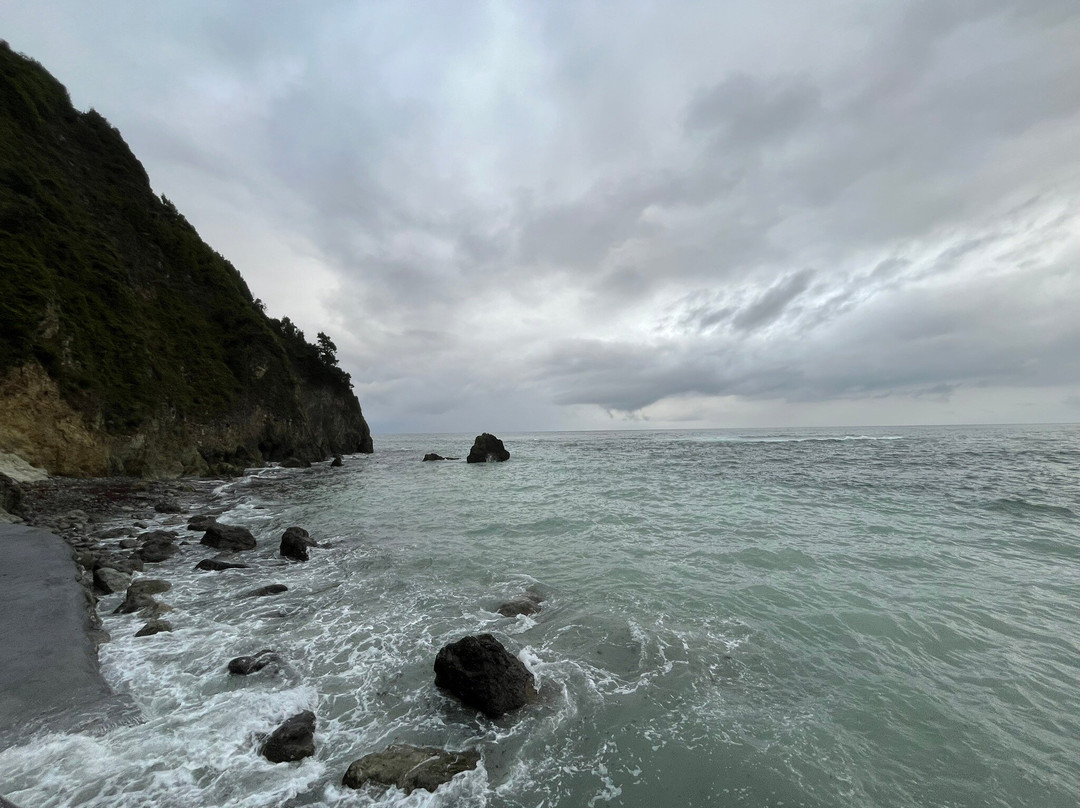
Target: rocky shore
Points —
{"points": [[118, 531]]}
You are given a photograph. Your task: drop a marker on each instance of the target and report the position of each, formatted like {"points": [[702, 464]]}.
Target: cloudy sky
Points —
{"points": [[573, 215]]}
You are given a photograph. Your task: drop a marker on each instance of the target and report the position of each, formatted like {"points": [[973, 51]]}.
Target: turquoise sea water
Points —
{"points": [[829, 617]]}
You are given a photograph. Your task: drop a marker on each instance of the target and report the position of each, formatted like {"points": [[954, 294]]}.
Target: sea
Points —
{"points": [[790, 617]]}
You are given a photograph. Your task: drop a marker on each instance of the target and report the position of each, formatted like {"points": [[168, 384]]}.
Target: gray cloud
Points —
{"points": [[578, 213]]}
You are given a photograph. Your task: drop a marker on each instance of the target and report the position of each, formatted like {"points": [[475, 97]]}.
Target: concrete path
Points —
{"points": [[49, 677]]}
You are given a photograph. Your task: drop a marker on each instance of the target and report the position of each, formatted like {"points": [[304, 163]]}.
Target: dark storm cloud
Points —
{"points": [[558, 204]]}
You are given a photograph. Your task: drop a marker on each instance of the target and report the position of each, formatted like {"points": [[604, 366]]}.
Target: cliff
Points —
{"points": [[127, 345]]}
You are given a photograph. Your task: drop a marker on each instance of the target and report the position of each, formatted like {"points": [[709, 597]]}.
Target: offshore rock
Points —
{"points": [[487, 448], [228, 537], [293, 740], [484, 675], [295, 542], [247, 665], [433, 456], [526, 604], [409, 767], [337, 462]]}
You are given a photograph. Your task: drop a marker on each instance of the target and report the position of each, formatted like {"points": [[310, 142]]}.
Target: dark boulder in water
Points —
{"points": [[526, 604], [409, 767], [156, 546], [295, 542], [484, 675], [107, 580], [247, 665], [140, 594], [217, 565], [337, 462], [228, 537], [487, 448], [201, 522], [263, 591], [433, 456], [154, 627], [293, 740]]}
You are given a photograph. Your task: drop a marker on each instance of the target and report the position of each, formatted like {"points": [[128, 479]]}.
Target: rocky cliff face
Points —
{"points": [[127, 345]]}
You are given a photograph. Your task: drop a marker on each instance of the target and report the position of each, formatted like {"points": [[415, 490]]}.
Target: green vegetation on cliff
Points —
{"points": [[111, 290]]}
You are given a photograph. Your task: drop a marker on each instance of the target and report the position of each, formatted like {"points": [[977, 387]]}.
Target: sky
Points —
{"points": [[516, 216]]}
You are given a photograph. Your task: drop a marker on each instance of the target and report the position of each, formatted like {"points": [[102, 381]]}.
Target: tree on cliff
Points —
{"points": [[327, 350]]}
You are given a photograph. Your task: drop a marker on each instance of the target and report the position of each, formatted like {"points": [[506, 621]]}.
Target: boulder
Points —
{"points": [[116, 561], [11, 494], [263, 591], [168, 506], [526, 604], [409, 767], [107, 580], [148, 586], [201, 521], [295, 542], [432, 456], [337, 462], [156, 546], [487, 448], [484, 675], [115, 533], [228, 537], [139, 597], [217, 565], [154, 627], [246, 665], [293, 740]]}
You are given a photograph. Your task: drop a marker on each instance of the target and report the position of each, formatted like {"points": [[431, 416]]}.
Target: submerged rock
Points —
{"points": [[228, 537], [484, 675], [295, 542], [526, 604], [246, 665], [293, 740], [263, 591], [409, 767], [487, 448], [154, 627], [217, 565]]}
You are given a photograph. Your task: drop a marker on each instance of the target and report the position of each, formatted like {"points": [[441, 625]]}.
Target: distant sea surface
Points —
{"points": [[813, 617]]}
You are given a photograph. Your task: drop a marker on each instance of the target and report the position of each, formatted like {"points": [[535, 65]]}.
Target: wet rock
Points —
{"points": [[148, 586], [432, 456], [295, 542], [154, 627], [293, 740], [128, 544], [115, 533], [526, 604], [156, 546], [201, 522], [484, 675], [228, 537], [118, 562], [246, 665], [337, 462], [409, 767], [107, 580], [168, 506], [217, 565], [263, 591], [295, 463], [487, 448]]}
